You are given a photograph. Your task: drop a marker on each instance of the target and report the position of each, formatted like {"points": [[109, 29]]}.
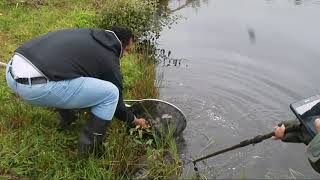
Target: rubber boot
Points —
{"points": [[92, 135], [67, 117]]}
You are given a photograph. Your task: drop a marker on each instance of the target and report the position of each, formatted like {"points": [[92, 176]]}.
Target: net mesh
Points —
{"points": [[162, 116]]}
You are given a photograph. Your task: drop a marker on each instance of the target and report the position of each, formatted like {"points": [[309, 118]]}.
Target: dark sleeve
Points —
{"points": [[299, 135], [122, 112], [313, 153]]}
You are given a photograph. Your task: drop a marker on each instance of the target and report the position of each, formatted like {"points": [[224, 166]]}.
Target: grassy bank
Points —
{"points": [[30, 145]]}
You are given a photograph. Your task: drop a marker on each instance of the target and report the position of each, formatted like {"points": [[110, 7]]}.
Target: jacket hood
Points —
{"points": [[109, 40]]}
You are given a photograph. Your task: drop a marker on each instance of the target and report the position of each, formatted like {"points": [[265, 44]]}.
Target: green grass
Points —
{"points": [[31, 147]]}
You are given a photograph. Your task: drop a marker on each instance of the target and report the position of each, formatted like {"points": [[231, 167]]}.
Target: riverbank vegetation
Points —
{"points": [[31, 147]]}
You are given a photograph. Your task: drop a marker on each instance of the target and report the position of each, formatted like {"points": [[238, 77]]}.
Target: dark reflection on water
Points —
{"points": [[234, 67], [181, 4], [164, 59], [298, 2], [252, 35]]}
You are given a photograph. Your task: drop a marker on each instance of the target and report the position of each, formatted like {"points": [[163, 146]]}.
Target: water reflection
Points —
{"points": [[177, 5], [252, 35], [181, 4], [296, 2], [164, 59]]}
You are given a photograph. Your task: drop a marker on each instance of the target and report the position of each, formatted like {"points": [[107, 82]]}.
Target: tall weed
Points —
{"points": [[136, 14]]}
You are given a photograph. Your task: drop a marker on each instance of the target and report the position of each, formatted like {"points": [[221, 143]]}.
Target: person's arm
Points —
{"points": [[313, 151], [122, 112], [299, 135]]}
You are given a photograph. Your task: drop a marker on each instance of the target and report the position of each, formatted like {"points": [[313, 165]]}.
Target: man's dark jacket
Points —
{"points": [[73, 53]]}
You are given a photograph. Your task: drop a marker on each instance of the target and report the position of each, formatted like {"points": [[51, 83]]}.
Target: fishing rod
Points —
{"points": [[244, 143]]}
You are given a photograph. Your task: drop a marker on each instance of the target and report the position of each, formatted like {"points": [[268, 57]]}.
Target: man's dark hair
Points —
{"points": [[124, 34]]}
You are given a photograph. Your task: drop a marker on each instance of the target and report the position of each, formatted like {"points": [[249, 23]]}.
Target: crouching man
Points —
{"points": [[71, 69]]}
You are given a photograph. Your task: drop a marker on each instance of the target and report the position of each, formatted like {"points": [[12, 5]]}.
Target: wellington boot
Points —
{"points": [[92, 135], [67, 117]]}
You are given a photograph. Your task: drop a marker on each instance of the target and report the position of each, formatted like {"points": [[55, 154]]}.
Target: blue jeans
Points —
{"points": [[83, 92]]}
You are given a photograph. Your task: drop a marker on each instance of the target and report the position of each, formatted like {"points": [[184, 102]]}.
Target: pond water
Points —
{"points": [[240, 65]]}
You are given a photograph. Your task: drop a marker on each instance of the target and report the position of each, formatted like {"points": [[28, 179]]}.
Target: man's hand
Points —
{"points": [[317, 124], [279, 132], [300, 135], [141, 122], [280, 129]]}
